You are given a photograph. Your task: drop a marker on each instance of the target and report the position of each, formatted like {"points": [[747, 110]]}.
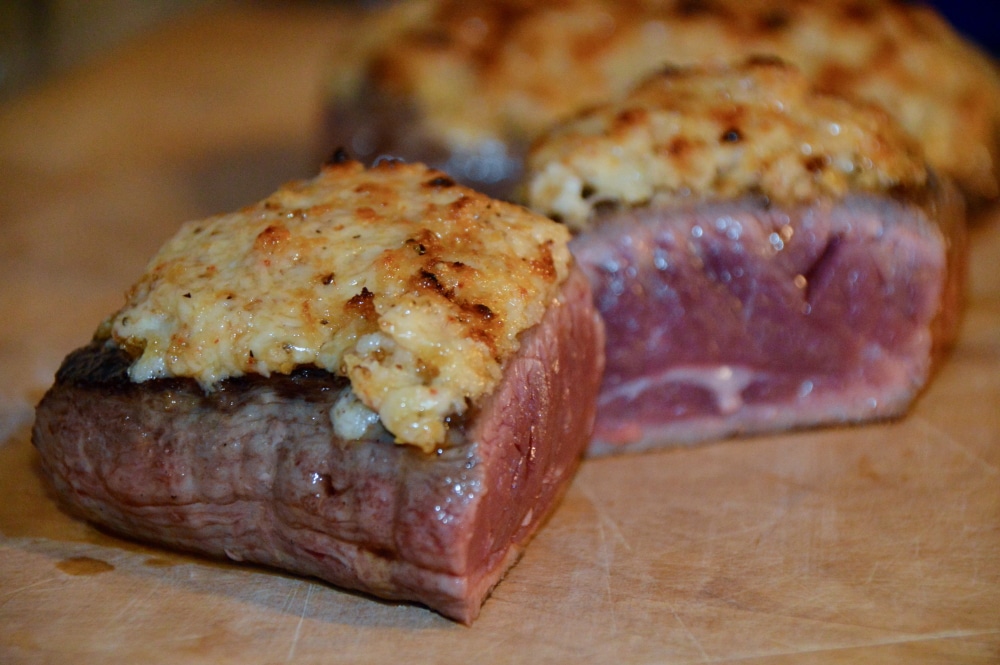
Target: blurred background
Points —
{"points": [[39, 38]]}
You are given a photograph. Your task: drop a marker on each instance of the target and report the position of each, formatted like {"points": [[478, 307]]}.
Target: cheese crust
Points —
{"points": [[414, 288], [507, 69], [700, 133]]}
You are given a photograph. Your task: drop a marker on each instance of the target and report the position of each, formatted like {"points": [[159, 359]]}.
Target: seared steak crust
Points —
{"points": [[254, 472]]}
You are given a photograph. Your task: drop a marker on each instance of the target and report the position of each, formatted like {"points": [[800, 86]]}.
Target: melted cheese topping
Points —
{"points": [[719, 133], [414, 288], [506, 69]]}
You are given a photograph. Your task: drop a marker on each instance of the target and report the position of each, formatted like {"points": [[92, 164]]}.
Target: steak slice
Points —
{"points": [[254, 472], [741, 317], [765, 256]]}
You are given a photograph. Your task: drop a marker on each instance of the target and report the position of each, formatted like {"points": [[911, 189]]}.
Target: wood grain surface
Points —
{"points": [[869, 544]]}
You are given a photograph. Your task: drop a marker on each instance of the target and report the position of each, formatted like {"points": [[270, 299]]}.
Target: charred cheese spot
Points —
{"points": [[696, 8], [271, 238], [339, 156], [773, 20], [414, 288], [362, 305], [441, 181], [732, 135]]}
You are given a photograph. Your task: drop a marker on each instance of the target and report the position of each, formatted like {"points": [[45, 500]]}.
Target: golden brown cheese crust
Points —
{"points": [[414, 288], [702, 133], [507, 69]]}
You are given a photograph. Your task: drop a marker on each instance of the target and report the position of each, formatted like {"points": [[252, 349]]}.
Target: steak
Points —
{"points": [[468, 87], [375, 123], [740, 317], [766, 256], [253, 471]]}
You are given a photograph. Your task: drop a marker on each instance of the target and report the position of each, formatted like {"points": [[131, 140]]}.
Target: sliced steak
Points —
{"points": [[765, 255], [738, 317], [254, 472]]}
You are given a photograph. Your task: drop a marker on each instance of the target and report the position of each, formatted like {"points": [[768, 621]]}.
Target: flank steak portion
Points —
{"points": [[764, 257], [299, 469]]}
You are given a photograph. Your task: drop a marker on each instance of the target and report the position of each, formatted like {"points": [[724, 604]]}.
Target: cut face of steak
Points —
{"points": [[254, 471], [765, 256], [738, 317]]}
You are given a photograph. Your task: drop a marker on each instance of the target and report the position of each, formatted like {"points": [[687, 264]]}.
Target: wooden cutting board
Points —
{"points": [[868, 544]]}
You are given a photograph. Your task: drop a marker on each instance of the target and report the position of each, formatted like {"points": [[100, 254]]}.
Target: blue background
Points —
{"points": [[980, 21]]}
